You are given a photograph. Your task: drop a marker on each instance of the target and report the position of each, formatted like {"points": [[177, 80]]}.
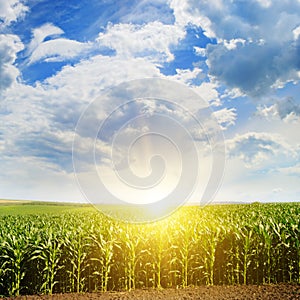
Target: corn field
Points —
{"points": [[86, 251]]}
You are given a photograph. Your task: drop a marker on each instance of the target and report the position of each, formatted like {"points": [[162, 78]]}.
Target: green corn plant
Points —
{"points": [[77, 247], [297, 246], [159, 258], [164, 253], [266, 235], [278, 252], [154, 247], [132, 237], [186, 240], [104, 243], [172, 257], [209, 240], [234, 261], [247, 251], [49, 252], [233, 256], [14, 252], [16, 248], [2, 274], [258, 253], [295, 249]]}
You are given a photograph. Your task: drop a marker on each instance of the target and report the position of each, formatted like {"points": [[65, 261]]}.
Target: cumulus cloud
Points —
{"points": [[186, 13], [286, 109], [31, 129], [39, 121], [257, 41], [88, 77], [187, 76], [226, 117], [10, 45], [261, 150], [55, 49], [208, 91], [253, 68], [11, 11], [151, 40], [200, 51], [42, 126]]}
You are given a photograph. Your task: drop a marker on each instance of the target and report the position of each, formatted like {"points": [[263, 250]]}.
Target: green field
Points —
{"points": [[37, 207], [52, 248]]}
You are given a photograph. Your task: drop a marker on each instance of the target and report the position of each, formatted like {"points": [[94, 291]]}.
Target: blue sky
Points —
{"points": [[241, 57]]}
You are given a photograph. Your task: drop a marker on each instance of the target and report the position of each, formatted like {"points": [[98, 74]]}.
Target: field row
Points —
{"points": [[86, 251]]}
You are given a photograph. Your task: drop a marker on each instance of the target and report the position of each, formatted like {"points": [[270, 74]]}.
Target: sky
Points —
{"points": [[59, 58]]}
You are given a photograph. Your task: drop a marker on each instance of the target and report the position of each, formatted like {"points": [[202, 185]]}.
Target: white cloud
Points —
{"points": [[261, 150], [286, 109], [39, 34], [208, 91], [233, 43], [56, 49], [185, 14], [42, 125], [226, 117], [233, 93], [11, 11], [261, 166], [88, 77], [38, 131], [10, 45], [187, 76], [151, 40], [268, 111], [200, 51]]}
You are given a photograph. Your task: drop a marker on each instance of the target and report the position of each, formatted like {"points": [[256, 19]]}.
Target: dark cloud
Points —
{"points": [[286, 107], [270, 51], [254, 68]]}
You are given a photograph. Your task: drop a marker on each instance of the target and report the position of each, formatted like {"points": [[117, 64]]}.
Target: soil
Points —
{"points": [[241, 292]]}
